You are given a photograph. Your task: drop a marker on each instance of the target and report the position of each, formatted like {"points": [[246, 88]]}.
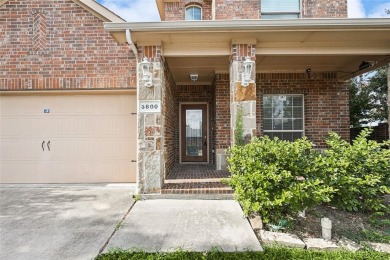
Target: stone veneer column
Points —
{"points": [[150, 126], [244, 97], [240, 96]]}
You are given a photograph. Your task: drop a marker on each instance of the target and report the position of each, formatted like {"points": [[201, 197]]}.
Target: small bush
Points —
{"points": [[277, 178], [359, 172]]}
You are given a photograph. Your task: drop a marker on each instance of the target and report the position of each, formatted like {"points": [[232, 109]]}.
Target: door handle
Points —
{"points": [[48, 145], [43, 148]]}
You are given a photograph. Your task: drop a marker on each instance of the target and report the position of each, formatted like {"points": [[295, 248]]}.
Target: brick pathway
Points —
{"points": [[196, 179]]}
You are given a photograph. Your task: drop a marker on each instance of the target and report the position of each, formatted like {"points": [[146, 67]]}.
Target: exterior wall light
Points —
{"points": [[147, 75], [246, 78], [194, 77]]}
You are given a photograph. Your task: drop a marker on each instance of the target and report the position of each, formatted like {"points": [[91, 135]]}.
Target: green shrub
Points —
{"points": [[239, 127], [277, 178], [359, 172]]}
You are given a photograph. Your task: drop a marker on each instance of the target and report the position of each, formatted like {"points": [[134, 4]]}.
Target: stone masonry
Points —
{"points": [[241, 97], [150, 126]]}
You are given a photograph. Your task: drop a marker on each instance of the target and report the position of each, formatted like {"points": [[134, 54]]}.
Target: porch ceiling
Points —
{"points": [[323, 45]]}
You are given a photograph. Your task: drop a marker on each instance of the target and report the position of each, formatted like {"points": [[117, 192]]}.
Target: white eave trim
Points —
{"points": [[255, 25]]}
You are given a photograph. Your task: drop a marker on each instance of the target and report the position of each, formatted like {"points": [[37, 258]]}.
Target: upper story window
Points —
{"points": [[193, 12], [280, 9]]}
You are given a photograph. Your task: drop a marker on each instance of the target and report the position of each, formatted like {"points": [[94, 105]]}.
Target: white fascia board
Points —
{"points": [[257, 25]]}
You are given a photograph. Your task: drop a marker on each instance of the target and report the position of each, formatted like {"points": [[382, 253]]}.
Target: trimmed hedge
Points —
{"points": [[279, 178]]}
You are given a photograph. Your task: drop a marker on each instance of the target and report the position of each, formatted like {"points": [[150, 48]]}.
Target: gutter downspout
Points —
{"points": [[131, 43], [135, 51]]}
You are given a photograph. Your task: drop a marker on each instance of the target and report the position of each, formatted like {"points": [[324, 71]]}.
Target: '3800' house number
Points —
{"points": [[150, 106]]}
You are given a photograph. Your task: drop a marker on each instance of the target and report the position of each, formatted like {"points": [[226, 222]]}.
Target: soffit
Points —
{"points": [[337, 45]]}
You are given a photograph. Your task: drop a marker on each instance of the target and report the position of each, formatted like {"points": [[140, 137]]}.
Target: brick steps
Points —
{"points": [[196, 179], [196, 188]]}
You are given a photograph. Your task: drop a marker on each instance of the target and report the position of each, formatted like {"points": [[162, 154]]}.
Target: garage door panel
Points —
{"points": [[92, 139]]}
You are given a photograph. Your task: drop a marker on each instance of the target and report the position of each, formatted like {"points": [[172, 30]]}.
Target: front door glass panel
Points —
{"points": [[194, 135], [194, 141]]}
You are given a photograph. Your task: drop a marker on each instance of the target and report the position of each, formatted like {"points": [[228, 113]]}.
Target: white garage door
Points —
{"points": [[68, 138]]}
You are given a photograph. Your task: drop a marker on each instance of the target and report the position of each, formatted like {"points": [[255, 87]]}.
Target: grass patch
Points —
{"points": [[368, 235], [269, 253]]}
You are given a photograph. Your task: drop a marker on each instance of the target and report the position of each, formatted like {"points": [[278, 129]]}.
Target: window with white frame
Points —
{"points": [[193, 12], [280, 9], [283, 116]]}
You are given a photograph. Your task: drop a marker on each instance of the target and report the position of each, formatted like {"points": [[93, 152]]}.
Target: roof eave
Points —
{"points": [[234, 25]]}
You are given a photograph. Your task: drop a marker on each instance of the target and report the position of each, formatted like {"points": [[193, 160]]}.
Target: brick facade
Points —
{"points": [[175, 11], [324, 9], [251, 9], [236, 9], [170, 122], [59, 45], [326, 102], [222, 111]]}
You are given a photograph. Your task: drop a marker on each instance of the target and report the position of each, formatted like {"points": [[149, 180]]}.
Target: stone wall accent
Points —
{"points": [[50, 45], [240, 96], [151, 131], [326, 102], [237, 9], [324, 9], [175, 11]]}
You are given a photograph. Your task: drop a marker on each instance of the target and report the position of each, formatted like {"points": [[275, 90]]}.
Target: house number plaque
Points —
{"points": [[150, 106]]}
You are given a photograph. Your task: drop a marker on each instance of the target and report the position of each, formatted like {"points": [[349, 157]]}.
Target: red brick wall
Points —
{"points": [[176, 10], [58, 45], [196, 94], [324, 9], [325, 99], [170, 120], [222, 111], [237, 9]]}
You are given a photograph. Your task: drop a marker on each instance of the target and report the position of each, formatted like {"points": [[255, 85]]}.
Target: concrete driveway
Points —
{"points": [[64, 222]]}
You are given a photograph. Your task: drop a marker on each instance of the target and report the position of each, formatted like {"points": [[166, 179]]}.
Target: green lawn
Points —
{"points": [[277, 253]]}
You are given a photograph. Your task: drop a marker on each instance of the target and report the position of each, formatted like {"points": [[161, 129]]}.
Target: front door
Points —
{"points": [[193, 133]]}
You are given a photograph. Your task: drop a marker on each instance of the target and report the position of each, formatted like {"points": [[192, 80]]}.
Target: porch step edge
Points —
{"points": [[198, 196]]}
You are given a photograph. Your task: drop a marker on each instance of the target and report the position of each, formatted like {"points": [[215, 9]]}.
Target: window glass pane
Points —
{"points": [[278, 135], [277, 124], [267, 101], [267, 112], [287, 124], [280, 5], [197, 13], [288, 137], [267, 124], [297, 112], [298, 124], [193, 13], [287, 100], [287, 112], [297, 135], [279, 16], [297, 101]]}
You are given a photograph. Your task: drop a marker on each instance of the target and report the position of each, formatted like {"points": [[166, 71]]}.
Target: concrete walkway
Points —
{"points": [[194, 225], [62, 222]]}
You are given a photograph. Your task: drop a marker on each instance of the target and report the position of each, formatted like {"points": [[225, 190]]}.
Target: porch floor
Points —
{"points": [[196, 179]]}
